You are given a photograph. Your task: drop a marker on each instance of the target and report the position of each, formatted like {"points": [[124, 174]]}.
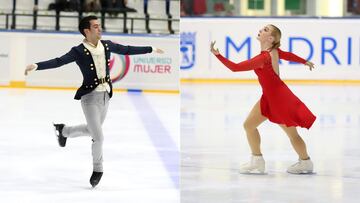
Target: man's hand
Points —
{"points": [[213, 50], [310, 64], [29, 68], [158, 51]]}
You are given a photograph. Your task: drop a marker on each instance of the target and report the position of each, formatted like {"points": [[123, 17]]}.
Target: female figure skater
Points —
{"points": [[277, 103]]}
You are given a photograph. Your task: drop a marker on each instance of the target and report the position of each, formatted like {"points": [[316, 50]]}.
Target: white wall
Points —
{"points": [[4, 61], [27, 48], [6, 5], [316, 36]]}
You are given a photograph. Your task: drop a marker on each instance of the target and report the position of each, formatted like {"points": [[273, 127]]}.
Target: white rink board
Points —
{"points": [[147, 71], [332, 44], [4, 61]]}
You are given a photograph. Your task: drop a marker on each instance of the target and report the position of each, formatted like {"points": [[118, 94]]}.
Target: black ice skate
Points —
{"points": [[95, 178], [58, 133]]}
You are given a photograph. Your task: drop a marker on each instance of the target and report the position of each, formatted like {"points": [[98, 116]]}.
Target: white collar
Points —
{"points": [[94, 50]]}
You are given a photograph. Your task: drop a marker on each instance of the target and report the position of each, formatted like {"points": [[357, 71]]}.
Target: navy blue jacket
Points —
{"points": [[84, 60]]}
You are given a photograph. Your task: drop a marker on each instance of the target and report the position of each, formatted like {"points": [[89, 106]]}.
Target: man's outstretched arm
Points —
{"points": [[52, 63], [131, 50]]}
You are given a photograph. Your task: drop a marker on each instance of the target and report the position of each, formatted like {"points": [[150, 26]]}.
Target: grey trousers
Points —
{"points": [[94, 105]]}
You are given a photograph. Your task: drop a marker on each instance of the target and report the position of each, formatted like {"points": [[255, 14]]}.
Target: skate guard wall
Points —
{"points": [[136, 72], [332, 44]]}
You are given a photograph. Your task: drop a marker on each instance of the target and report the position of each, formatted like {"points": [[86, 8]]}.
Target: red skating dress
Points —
{"points": [[277, 102]]}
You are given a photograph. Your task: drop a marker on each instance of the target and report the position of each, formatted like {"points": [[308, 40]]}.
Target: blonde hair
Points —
{"points": [[276, 33]]}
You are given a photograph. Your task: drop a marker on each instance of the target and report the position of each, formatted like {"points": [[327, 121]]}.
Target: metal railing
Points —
{"points": [[102, 16]]}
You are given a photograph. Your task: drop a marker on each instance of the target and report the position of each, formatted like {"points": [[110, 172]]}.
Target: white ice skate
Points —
{"points": [[255, 166], [301, 167]]}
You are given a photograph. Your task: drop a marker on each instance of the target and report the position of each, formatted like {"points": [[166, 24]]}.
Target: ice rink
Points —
{"points": [[141, 149], [214, 145]]}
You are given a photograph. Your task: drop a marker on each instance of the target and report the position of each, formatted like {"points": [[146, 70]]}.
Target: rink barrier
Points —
{"points": [[155, 72], [254, 81], [332, 44], [17, 84]]}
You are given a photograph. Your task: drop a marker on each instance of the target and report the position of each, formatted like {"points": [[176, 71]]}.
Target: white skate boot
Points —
{"points": [[301, 167], [255, 166]]}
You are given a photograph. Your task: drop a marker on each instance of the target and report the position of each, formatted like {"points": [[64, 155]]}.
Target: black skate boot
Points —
{"points": [[95, 178], [58, 133]]}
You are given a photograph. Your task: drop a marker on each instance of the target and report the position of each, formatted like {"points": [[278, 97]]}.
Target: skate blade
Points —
{"points": [[94, 185], [303, 173], [56, 132]]}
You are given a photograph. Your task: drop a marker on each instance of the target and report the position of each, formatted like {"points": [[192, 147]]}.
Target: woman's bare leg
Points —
{"points": [[254, 119], [296, 141]]}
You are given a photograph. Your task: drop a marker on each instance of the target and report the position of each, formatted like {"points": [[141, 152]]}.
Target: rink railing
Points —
{"points": [[170, 21]]}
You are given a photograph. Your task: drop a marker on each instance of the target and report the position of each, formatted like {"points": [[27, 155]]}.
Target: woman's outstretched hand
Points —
{"points": [[212, 49], [310, 64]]}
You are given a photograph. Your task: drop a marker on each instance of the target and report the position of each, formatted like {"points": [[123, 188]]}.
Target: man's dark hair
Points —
{"points": [[85, 23]]}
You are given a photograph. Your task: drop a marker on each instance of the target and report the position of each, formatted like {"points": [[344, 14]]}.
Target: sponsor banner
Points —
{"points": [[332, 44], [147, 71]]}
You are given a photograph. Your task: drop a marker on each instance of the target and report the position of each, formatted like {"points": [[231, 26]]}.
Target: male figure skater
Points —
{"points": [[92, 56]]}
